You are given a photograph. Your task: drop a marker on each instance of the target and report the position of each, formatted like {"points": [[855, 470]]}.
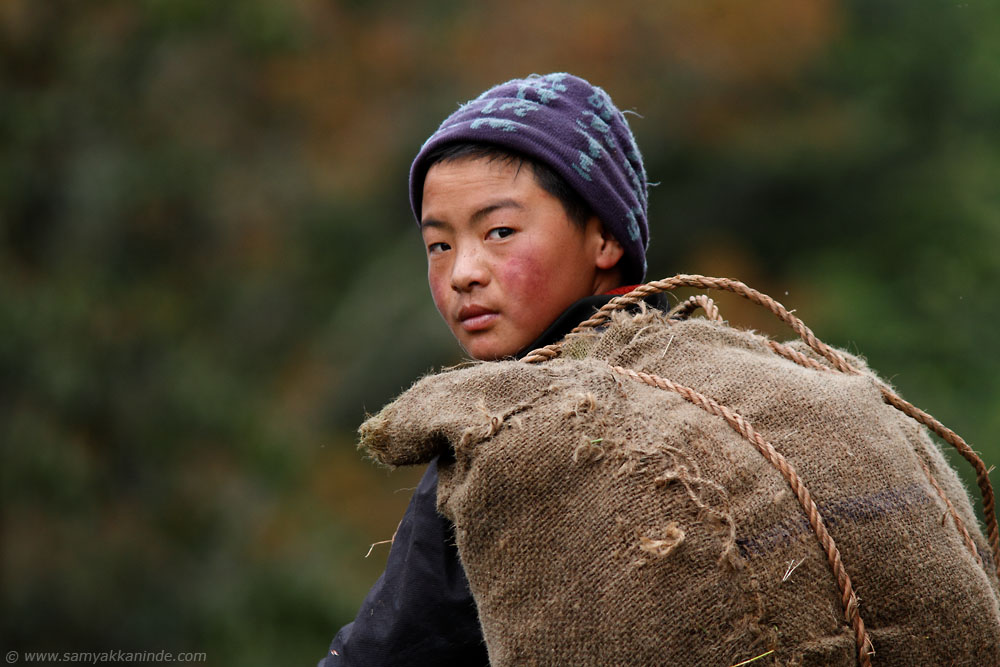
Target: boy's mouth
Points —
{"points": [[476, 318]]}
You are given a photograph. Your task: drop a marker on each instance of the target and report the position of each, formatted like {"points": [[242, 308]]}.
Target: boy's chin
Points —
{"points": [[488, 355], [483, 349]]}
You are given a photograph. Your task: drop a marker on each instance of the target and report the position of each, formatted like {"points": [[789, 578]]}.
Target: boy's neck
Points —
{"points": [[580, 311]]}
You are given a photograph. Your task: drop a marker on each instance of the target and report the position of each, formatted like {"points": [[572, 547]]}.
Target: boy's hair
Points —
{"points": [[570, 127], [576, 208]]}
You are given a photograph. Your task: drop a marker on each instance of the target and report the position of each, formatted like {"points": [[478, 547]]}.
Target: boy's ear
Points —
{"points": [[609, 250]]}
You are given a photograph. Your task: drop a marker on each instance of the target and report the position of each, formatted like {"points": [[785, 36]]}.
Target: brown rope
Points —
{"points": [[982, 474], [887, 395], [821, 348], [704, 282], [966, 537], [797, 357], [847, 597], [685, 308]]}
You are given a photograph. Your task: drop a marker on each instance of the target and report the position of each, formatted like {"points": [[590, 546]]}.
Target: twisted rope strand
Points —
{"points": [[695, 302], [848, 599], [543, 353], [797, 357], [956, 441], [966, 537]]}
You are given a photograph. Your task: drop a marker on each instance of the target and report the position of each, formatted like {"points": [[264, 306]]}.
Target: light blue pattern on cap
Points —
{"points": [[494, 123], [593, 146], [583, 166]]}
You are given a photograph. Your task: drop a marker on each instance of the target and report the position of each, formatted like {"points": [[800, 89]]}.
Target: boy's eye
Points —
{"points": [[441, 246], [500, 232]]}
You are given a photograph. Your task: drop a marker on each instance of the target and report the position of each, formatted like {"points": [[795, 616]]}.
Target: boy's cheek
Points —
{"points": [[522, 278], [438, 287]]}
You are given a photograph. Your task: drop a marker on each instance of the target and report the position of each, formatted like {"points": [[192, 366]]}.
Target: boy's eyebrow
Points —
{"points": [[433, 224], [489, 208], [477, 216]]}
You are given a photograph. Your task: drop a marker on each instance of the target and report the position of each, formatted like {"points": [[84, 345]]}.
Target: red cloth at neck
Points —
{"points": [[622, 290]]}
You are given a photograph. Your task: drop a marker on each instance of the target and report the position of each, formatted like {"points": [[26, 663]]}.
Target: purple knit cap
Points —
{"points": [[573, 128]]}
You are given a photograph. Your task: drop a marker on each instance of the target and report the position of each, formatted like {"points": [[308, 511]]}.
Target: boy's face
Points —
{"points": [[504, 260]]}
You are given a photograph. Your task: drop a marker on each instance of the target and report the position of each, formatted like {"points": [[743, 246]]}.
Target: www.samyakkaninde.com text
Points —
{"points": [[102, 657]]}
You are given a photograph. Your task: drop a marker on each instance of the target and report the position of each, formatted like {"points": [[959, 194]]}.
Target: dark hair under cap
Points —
{"points": [[573, 128]]}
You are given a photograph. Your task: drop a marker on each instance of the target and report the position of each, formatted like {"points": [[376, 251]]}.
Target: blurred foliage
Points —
{"points": [[208, 268]]}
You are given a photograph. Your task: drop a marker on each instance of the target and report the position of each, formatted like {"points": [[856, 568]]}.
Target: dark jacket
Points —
{"points": [[420, 611]]}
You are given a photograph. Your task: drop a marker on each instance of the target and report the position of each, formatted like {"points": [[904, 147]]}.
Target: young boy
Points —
{"points": [[531, 201]]}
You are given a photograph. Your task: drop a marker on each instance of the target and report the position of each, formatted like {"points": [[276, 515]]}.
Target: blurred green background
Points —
{"points": [[209, 271]]}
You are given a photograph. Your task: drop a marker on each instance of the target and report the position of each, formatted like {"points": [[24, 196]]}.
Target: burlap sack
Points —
{"points": [[603, 521]]}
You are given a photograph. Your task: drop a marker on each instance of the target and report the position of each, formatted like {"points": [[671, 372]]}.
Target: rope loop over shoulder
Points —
{"points": [[839, 362]]}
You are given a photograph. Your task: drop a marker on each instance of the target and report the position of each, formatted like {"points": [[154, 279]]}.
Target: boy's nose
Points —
{"points": [[468, 271]]}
